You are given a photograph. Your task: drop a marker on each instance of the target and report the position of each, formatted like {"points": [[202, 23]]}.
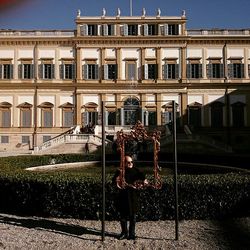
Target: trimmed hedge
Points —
{"points": [[66, 194]]}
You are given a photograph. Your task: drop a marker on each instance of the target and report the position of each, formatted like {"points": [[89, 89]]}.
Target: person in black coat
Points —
{"points": [[128, 199]]}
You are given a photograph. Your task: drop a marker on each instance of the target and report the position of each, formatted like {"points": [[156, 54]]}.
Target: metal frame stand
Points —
{"points": [[175, 172]]}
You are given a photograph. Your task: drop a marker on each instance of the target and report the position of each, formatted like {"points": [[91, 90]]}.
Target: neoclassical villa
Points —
{"points": [[54, 80]]}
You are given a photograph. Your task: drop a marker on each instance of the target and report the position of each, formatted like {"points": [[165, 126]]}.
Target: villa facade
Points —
{"points": [[52, 80]]}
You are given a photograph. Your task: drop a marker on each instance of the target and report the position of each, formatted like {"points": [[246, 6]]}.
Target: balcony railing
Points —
{"points": [[219, 32], [37, 33]]}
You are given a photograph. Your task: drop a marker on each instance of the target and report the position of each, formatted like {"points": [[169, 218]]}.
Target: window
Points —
{"points": [[25, 114], [47, 118], [108, 30], [112, 118], [150, 29], [217, 114], [170, 29], [131, 71], [130, 29], [5, 115], [67, 71], [90, 71], [6, 71], [173, 29], [215, 70], [26, 70], [46, 114], [25, 118], [5, 118], [25, 139], [150, 71], [194, 114], [110, 71], [238, 117], [67, 114], [46, 70], [4, 139], [170, 71], [68, 117], [236, 70], [89, 30], [152, 118], [194, 69]]}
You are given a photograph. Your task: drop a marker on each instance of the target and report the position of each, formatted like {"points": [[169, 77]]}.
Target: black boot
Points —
{"points": [[124, 233], [132, 229]]}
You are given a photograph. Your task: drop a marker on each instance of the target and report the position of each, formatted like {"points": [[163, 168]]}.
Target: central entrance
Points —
{"points": [[131, 111]]}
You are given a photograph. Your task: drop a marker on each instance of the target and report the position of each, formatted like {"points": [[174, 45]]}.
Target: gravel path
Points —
{"points": [[18, 232]]}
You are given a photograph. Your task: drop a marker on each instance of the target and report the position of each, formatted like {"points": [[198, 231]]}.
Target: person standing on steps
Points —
{"points": [[128, 199]]}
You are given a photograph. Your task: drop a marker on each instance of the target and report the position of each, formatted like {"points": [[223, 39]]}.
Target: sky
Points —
{"points": [[61, 14]]}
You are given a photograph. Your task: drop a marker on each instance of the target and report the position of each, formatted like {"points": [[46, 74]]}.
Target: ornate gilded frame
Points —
{"points": [[139, 133]]}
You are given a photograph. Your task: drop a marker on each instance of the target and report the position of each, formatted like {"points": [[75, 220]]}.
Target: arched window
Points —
{"points": [[238, 118], [46, 114], [25, 114], [67, 114], [131, 111], [5, 114], [194, 114], [90, 116], [217, 114]]}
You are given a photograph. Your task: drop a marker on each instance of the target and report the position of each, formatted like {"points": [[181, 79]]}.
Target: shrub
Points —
{"points": [[79, 195]]}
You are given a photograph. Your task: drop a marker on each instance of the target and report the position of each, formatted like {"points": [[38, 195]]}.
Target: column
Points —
{"points": [[119, 64], [183, 63], [183, 111], [158, 108], [159, 62], [78, 64]]}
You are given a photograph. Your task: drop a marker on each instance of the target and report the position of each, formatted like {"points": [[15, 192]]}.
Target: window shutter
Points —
{"points": [[61, 68], [116, 67], [48, 118], [145, 29], [52, 71], [209, 70], [1, 68], [105, 29], [165, 29], [96, 71], [230, 70], [26, 118], [11, 71], [105, 72], [221, 70], [113, 30], [85, 118], [85, 71], [84, 30], [40, 71], [242, 70], [97, 30], [32, 71], [73, 71], [164, 71], [146, 71], [20, 71], [6, 120], [248, 69], [176, 71], [200, 70], [189, 70], [124, 30], [156, 71], [131, 71]]}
